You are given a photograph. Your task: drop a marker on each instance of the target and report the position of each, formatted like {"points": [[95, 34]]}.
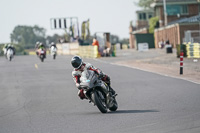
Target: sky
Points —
{"points": [[112, 16]]}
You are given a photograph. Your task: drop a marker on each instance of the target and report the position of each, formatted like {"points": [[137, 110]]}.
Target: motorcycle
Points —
{"points": [[53, 52], [93, 91], [10, 54], [41, 54]]}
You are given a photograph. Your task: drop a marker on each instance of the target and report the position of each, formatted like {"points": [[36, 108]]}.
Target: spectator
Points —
{"points": [[167, 42], [95, 43], [161, 44]]}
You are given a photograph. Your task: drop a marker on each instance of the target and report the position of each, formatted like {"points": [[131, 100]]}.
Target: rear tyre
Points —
{"points": [[54, 56], [99, 102]]}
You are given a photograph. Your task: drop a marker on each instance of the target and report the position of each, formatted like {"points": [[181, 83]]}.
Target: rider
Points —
{"points": [[53, 45], [79, 67], [41, 46], [10, 47]]}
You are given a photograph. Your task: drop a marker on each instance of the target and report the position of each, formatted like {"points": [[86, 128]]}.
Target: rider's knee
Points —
{"points": [[81, 94]]}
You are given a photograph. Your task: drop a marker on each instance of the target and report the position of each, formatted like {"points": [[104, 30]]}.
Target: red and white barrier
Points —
{"points": [[181, 62]]}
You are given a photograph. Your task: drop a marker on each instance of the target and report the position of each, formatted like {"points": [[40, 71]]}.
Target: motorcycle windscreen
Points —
{"points": [[88, 78]]}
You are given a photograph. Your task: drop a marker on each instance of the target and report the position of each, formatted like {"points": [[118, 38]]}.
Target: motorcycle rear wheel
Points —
{"points": [[98, 101]]}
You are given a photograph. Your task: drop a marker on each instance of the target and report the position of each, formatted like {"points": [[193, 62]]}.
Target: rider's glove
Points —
{"points": [[101, 75]]}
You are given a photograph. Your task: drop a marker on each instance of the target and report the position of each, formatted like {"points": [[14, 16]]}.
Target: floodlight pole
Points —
{"points": [[165, 17], [165, 12]]}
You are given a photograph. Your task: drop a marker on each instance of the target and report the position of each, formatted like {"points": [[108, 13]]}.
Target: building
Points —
{"points": [[175, 32], [141, 27], [143, 17], [182, 16], [176, 9]]}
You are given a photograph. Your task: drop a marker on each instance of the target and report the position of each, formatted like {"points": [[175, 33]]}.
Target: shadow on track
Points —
{"points": [[132, 111], [121, 112]]}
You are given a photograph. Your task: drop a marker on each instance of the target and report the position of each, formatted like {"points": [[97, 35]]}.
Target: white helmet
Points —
{"points": [[37, 42]]}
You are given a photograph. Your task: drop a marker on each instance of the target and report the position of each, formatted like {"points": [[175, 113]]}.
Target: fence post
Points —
{"points": [[181, 60]]}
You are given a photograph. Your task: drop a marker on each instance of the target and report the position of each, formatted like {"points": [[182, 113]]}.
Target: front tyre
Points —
{"points": [[99, 101], [115, 106], [10, 58], [42, 58]]}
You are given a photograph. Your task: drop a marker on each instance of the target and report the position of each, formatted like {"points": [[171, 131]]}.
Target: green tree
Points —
{"points": [[27, 36], [145, 3], [153, 23]]}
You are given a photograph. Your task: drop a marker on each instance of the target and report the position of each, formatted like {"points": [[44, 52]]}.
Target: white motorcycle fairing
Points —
{"points": [[10, 54]]}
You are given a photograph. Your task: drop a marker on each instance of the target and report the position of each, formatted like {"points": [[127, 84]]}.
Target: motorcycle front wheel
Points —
{"points": [[99, 101], [115, 106], [42, 58]]}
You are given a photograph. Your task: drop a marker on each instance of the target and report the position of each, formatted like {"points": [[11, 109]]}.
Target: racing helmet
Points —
{"points": [[37, 43], [76, 62], [41, 44]]}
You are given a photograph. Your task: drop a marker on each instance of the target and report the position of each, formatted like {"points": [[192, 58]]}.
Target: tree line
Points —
{"points": [[27, 36]]}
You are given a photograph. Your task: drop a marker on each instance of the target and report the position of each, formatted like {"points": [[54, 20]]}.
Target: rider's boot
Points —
{"points": [[109, 96], [81, 94], [111, 90]]}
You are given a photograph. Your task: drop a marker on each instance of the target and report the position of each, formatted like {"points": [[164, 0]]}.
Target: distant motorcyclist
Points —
{"points": [[9, 46], [53, 45], [40, 47], [53, 50], [79, 67]]}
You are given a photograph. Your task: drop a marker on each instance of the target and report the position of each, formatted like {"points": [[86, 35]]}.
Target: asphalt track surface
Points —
{"points": [[38, 97]]}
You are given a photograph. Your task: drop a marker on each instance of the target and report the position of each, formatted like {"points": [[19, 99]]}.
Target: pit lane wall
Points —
{"points": [[76, 49], [67, 49]]}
